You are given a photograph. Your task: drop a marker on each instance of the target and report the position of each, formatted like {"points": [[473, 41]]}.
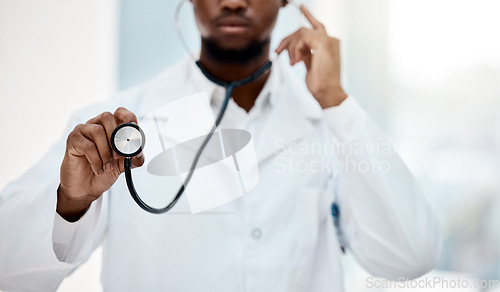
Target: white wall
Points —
{"points": [[56, 56]]}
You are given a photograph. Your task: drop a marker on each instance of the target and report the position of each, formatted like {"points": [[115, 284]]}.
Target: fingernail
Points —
{"points": [[108, 166], [100, 172]]}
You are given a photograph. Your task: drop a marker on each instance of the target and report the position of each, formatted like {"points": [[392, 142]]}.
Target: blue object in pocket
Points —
{"points": [[336, 223]]}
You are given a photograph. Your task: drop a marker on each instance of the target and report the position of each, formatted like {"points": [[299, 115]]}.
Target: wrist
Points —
{"points": [[69, 208], [333, 96]]}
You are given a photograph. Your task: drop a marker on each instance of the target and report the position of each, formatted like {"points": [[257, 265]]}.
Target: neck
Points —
{"points": [[245, 95]]}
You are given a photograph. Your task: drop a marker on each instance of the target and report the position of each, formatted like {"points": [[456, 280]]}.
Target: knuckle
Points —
{"points": [[120, 109], [106, 116], [78, 128], [71, 137], [130, 116], [74, 134], [98, 129]]}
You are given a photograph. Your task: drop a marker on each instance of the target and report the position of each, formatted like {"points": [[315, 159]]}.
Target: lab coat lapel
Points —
{"points": [[294, 114]]}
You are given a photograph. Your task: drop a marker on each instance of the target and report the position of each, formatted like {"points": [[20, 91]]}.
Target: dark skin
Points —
{"points": [[90, 167], [258, 19]]}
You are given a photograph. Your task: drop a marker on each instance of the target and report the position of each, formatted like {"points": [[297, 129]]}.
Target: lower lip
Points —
{"points": [[233, 29]]}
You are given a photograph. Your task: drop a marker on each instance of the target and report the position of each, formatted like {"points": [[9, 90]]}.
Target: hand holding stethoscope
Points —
{"points": [[90, 166]]}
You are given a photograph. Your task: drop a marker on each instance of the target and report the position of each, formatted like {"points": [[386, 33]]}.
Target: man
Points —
{"points": [[278, 237]]}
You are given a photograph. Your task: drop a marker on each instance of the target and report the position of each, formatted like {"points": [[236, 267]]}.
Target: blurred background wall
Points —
{"points": [[55, 56], [428, 71]]}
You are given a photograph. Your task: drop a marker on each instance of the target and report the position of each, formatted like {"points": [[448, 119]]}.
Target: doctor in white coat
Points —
{"points": [[280, 236]]}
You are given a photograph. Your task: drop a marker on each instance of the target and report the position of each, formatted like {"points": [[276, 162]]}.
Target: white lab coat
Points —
{"points": [[278, 237]]}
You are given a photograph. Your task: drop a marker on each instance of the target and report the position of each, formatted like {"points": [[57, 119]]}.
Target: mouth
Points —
{"points": [[232, 24]]}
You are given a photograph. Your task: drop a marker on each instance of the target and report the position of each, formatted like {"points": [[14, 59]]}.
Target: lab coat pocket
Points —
{"points": [[315, 242]]}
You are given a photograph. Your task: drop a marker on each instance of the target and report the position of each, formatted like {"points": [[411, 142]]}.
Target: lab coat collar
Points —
{"points": [[216, 92], [281, 80]]}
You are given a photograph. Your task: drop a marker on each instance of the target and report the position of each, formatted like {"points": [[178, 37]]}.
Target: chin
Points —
{"points": [[233, 43], [234, 49]]}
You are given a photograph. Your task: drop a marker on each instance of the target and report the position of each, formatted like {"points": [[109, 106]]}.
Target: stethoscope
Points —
{"points": [[128, 139]]}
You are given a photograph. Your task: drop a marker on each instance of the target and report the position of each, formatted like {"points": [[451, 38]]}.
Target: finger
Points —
{"points": [[97, 134], [283, 45], [138, 160], [292, 47], [302, 52], [316, 24], [286, 42], [123, 115], [291, 51], [296, 44], [107, 120], [82, 146], [307, 57]]}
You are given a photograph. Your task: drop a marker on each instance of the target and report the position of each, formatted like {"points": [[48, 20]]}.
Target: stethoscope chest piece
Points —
{"points": [[128, 140]]}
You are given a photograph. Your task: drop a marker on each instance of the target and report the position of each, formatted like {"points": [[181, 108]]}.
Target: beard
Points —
{"points": [[241, 56]]}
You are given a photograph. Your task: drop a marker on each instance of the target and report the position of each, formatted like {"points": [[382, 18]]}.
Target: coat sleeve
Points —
{"points": [[384, 217], [37, 247]]}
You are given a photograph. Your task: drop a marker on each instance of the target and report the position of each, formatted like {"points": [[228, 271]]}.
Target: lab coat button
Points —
{"points": [[256, 233]]}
